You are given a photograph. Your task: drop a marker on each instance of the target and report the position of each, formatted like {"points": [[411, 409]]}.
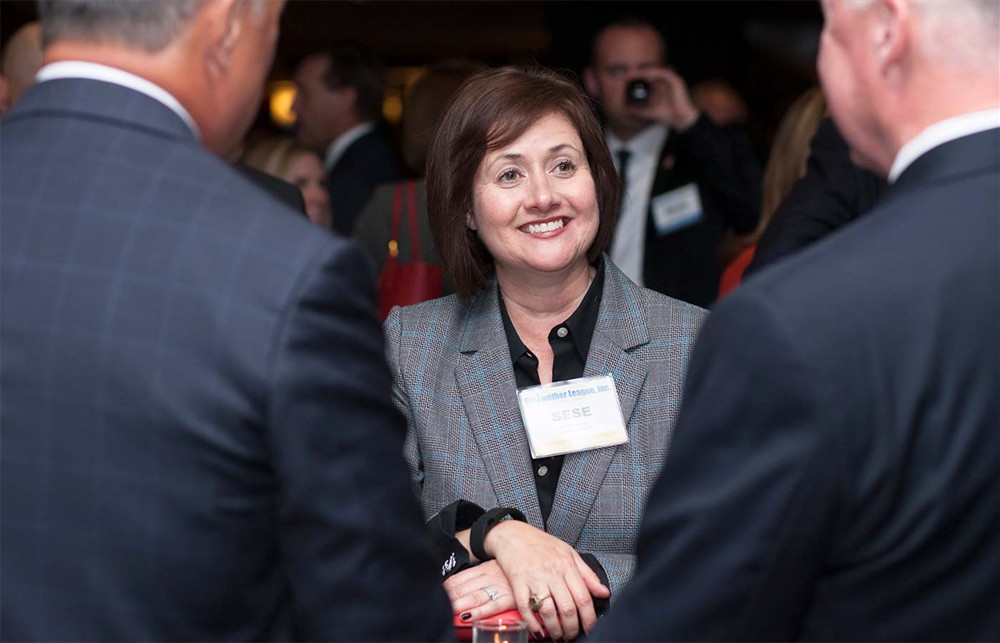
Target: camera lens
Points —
{"points": [[637, 92]]}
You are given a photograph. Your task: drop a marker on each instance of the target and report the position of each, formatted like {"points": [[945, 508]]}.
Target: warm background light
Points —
{"points": [[282, 94], [397, 80]]}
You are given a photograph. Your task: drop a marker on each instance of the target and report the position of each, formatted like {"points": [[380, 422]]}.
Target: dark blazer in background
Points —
{"points": [[833, 474], [198, 436], [290, 195], [685, 264], [367, 162], [833, 192], [455, 382]]}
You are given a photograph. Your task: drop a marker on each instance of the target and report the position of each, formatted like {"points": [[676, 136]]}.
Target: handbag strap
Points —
{"points": [[397, 211], [411, 194]]}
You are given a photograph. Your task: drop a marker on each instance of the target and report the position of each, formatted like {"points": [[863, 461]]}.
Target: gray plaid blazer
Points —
{"points": [[454, 382]]}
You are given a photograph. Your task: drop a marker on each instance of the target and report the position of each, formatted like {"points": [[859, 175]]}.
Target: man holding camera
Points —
{"points": [[685, 181]]}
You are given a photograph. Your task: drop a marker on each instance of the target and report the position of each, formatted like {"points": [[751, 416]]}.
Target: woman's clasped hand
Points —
{"points": [[530, 566]]}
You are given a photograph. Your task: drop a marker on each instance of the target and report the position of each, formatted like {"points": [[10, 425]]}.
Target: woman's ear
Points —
{"points": [[470, 221]]}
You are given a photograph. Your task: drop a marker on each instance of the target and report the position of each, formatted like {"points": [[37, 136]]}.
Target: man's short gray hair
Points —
{"points": [[148, 25], [959, 33], [962, 33]]}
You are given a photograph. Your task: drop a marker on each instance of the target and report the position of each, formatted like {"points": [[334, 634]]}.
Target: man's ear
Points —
{"points": [[590, 80], [349, 98], [892, 24], [225, 21]]}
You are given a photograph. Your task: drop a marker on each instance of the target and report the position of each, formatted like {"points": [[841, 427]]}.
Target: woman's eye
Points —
{"points": [[508, 176], [565, 166]]}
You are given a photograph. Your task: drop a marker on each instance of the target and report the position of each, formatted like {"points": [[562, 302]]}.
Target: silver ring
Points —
{"points": [[492, 593]]}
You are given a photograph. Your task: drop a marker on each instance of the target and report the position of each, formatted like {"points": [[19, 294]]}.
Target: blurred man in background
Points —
{"points": [[338, 104], [685, 180]]}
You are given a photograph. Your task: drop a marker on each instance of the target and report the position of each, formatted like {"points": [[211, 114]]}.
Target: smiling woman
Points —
{"points": [[535, 207], [550, 378], [488, 123]]}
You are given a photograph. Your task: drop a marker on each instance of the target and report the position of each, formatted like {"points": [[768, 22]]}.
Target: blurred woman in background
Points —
{"points": [[785, 166], [287, 159], [424, 103]]}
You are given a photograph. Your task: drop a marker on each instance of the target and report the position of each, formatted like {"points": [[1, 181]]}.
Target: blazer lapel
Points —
{"points": [[620, 327], [485, 380], [664, 178]]}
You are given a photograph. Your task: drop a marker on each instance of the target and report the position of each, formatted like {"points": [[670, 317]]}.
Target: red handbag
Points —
{"points": [[412, 282]]}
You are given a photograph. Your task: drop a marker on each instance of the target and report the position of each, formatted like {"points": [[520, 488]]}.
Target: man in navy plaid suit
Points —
{"points": [[198, 439]]}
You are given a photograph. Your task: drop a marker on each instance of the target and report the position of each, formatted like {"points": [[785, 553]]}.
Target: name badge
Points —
{"points": [[677, 209], [575, 415]]}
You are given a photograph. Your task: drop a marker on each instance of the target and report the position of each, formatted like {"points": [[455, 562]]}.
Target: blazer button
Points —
{"points": [[542, 470]]}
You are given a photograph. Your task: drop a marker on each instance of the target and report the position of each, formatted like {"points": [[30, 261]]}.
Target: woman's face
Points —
{"points": [[534, 202], [307, 173]]}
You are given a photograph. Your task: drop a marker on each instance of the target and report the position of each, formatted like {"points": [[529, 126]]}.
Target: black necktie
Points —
{"points": [[623, 156]]}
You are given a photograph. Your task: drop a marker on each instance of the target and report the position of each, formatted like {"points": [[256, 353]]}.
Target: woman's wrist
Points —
{"points": [[501, 536], [463, 538], [485, 524]]}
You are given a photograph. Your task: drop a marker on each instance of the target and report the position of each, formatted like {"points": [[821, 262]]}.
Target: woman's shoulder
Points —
{"points": [[441, 317], [658, 310], [675, 309]]}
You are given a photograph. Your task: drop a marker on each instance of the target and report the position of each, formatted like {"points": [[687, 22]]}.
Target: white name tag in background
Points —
{"points": [[677, 209], [575, 415]]}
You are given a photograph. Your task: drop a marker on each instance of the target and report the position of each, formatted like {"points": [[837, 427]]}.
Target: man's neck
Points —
{"points": [[627, 132]]}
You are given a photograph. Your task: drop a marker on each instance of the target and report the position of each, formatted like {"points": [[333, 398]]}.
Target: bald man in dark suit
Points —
{"points": [[833, 473]]}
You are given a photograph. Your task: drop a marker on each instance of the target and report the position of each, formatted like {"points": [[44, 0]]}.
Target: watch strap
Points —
{"points": [[485, 523]]}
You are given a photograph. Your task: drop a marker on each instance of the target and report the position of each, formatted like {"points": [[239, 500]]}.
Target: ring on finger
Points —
{"points": [[492, 593], [535, 601]]}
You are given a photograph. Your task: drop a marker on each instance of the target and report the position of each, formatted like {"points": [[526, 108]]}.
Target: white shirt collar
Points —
{"points": [[645, 144], [95, 71], [342, 142], [629, 245], [940, 133]]}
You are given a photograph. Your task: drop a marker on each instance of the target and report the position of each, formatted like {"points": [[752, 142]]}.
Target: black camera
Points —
{"points": [[637, 92]]}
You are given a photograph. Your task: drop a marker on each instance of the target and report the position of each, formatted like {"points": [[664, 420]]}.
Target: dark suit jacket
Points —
{"points": [[367, 162], [684, 264], [833, 474], [198, 437], [455, 382], [832, 193], [284, 191]]}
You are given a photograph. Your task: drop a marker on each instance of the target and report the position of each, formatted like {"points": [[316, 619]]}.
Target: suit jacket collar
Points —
{"points": [[972, 153], [103, 102], [485, 379], [335, 151]]}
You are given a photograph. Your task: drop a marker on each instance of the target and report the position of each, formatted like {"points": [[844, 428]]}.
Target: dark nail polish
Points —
{"points": [[466, 616]]}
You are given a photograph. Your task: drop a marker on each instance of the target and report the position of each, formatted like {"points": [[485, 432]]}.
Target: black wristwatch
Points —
{"points": [[488, 521]]}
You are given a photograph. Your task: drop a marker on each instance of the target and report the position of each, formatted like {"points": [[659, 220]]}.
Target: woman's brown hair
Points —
{"points": [[789, 152]]}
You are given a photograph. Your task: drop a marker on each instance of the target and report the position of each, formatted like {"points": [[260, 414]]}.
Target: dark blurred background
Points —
{"points": [[765, 48]]}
